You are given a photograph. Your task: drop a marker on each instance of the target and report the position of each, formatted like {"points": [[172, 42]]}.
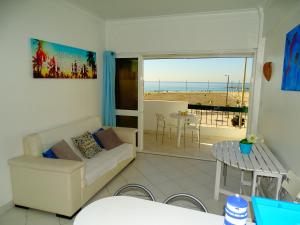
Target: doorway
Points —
{"points": [[216, 89]]}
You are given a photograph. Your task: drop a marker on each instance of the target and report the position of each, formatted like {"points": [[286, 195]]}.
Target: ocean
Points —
{"points": [[165, 86]]}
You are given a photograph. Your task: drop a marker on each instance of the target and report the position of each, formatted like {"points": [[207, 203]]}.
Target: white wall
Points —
{"points": [[190, 33], [279, 116], [151, 107], [26, 104]]}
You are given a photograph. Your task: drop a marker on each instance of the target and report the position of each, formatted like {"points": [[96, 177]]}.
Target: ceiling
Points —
{"points": [[120, 9]]}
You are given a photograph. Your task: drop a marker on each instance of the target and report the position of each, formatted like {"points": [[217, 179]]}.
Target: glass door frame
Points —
{"points": [[254, 92], [140, 112]]}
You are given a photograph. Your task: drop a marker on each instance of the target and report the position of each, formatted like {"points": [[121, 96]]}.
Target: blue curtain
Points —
{"points": [[108, 89]]}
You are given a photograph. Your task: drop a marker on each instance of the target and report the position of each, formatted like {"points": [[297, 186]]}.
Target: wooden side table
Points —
{"points": [[260, 161]]}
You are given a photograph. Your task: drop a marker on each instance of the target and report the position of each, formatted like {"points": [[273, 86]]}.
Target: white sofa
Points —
{"points": [[63, 186]]}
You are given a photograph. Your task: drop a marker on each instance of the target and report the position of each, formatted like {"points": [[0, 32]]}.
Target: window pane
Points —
{"points": [[127, 83], [127, 121]]}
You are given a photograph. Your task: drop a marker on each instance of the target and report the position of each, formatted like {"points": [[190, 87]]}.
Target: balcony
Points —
{"points": [[218, 123]]}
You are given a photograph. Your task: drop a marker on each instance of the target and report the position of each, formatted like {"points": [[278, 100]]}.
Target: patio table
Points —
{"points": [[260, 161], [180, 120]]}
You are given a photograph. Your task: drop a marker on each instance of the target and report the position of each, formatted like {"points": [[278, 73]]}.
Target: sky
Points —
{"points": [[197, 70]]}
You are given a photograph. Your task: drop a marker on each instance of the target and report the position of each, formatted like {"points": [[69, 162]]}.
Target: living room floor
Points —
{"points": [[190, 150], [162, 175]]}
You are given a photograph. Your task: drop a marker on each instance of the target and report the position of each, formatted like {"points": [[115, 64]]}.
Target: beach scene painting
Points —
{"points": [[291, 65], [51, 60]]}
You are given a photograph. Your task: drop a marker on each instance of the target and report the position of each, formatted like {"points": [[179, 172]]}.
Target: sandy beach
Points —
{"points": [[204, 98]]}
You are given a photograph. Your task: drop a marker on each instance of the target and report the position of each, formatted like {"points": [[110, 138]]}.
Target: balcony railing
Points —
{"points": [[221, 115]]}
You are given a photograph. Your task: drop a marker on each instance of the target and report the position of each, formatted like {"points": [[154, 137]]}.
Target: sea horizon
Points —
{"points": [[186, 86]]}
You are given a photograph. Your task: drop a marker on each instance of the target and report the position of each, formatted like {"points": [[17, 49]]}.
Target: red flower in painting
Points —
{"points": [[40, 55], [39, 58]]}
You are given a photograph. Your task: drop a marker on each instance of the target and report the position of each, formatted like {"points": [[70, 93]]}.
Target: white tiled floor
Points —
{"points": [[161, 174], [190, 150]]}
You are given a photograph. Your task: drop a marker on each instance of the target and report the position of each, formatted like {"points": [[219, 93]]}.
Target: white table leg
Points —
{"points": [[242, 181], [224, 174], [178, 130], [279, 180], [218, 180], [254, 184]]}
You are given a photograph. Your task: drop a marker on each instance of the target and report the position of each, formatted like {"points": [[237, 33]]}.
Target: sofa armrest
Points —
{"points": [[127, 135], [45, 164], [52, 185]]}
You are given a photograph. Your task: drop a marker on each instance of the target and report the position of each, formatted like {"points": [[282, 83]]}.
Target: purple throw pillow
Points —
{"points": [[63, 151], [109, 138]]}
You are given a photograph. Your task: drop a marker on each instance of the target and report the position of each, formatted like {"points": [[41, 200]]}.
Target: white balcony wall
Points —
{"points": [[164, 107]]}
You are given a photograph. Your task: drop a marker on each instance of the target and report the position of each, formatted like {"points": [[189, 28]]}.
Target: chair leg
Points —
{"points": [[156, 131], [199, 138], [184, 130], [170, 134], [163, 134], [192, 136]]}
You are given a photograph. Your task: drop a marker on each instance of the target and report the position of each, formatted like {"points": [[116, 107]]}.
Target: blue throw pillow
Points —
{"points": [[97, 139], [49, 154]]}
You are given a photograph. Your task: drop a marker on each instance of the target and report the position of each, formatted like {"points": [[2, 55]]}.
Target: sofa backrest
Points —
{"points": [[35, 144]]}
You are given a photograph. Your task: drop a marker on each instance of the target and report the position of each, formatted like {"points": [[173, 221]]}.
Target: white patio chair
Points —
{"points": [[164, 123], [289, 191], [193, 124], [291, 185]]}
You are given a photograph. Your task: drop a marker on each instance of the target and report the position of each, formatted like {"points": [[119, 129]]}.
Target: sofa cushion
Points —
{"points": [[49, 154], [86, 145], [105, 161], [97, 139], [63, 151], [109, 138]]}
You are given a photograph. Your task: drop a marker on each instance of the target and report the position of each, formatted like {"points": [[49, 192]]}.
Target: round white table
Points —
{"points": [[122, 210], [180, 119]]}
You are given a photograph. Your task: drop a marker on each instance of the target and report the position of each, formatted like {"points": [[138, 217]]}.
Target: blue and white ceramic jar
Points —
{"points": [[236, 210]]}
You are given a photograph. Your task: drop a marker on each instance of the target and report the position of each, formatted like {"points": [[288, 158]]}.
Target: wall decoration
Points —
{"points": [[267, 70], [51, 60], [291, 65]]}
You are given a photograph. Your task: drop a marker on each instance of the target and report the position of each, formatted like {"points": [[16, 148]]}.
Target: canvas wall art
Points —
{"points": [[291, 65], [51, 60]]}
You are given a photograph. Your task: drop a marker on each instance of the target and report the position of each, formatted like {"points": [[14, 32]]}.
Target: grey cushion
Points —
{"points": [[63, 151], [109, 138]]}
